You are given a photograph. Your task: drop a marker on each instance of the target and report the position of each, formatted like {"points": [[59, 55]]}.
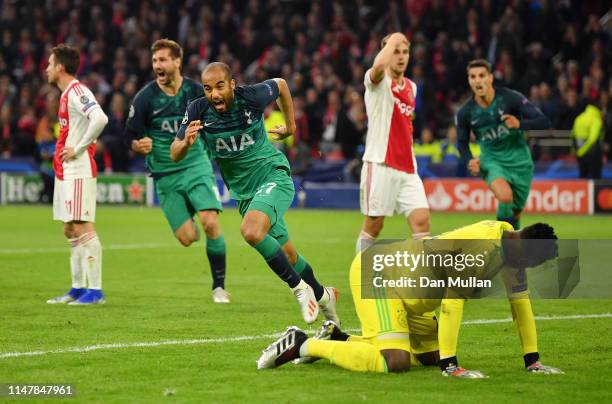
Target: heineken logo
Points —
{"points": [[111, 189]]}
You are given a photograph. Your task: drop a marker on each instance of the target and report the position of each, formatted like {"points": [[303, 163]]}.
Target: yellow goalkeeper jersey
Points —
{"points": [[485, 230]]}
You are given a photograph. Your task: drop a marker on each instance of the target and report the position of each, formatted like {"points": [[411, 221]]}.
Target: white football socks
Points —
{"points": [[364, 241], [76, 268], [418, 236], [91, 259]]}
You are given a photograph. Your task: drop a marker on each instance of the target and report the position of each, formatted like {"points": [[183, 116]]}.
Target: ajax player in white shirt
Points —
{"points": [[74, 200], [389, 180]]}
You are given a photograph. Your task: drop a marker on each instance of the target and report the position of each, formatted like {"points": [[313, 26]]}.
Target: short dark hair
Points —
{"points": [[538, 231], [540, 251], [219, 65], [175, 49], [480, 63], [67, 56]]}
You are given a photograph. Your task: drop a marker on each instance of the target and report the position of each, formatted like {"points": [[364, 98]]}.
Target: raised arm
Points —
{"points": [[186, 135], [181, 144], [383, 58]]}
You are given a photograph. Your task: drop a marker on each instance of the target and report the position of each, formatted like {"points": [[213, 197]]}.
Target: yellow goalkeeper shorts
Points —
{"points": [[393, 323]]}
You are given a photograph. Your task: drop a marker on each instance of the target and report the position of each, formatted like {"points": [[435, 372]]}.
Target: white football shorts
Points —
{"points": [[385, 191], [74, 200]]}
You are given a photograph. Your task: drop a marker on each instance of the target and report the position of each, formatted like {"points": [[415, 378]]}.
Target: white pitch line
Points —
{"points": [[110, 247], [226, 340], [5, 251], [540, 318]]}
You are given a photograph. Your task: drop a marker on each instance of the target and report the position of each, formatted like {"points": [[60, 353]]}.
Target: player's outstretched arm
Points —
{"points": [[285, 103], [451, 312], [183, 141], [522, 316], [383, 58]]}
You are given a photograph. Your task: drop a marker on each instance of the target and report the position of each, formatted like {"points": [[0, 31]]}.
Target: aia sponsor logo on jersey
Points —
{"points": [[231, 144], [494, 133], [171, 126]]}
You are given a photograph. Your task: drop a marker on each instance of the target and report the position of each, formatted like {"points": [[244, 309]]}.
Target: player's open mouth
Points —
{"points": [[219, 105], [161, 74]]}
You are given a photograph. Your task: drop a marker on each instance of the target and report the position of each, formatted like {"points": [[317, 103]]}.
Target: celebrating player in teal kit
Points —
{"points": [[186, 188], [229, 119], [498, 117]]}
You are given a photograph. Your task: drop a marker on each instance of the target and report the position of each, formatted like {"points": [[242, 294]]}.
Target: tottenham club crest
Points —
{"points": [[185, 118], [248, 115]]}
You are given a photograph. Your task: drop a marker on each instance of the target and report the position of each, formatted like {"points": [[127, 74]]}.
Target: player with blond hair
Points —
{"points": [[389, 180]]}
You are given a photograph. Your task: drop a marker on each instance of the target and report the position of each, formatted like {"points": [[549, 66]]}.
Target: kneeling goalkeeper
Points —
{"points": [[398, 333]]}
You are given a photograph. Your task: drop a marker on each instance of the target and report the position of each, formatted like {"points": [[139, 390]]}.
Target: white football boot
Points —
{"points": [[220, 295], [308, 303]]}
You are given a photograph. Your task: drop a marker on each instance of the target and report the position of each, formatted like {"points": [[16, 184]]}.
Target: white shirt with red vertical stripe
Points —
{"points": [[76, 103], [390, 107]]}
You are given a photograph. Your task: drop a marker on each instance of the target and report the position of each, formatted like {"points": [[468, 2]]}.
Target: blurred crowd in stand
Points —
{"points": [[557, 53]]}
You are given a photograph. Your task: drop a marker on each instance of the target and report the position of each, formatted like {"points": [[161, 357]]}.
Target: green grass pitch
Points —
{"points": [[159, 291]]}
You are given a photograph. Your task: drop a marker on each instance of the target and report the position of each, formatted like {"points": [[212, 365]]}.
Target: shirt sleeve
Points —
{"points": [[531, 117], [83, 103], [97, 122], [197, 91], [462, 121], [595, 130], [261, 94], [191, 114], [414, 87], [367, 81], [136, 124]]}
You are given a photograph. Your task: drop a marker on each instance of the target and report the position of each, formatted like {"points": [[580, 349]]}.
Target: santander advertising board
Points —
{"points": [[472, 195]]}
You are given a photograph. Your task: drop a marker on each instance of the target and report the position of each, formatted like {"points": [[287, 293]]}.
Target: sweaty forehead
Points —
{"points": [[213, 75]]}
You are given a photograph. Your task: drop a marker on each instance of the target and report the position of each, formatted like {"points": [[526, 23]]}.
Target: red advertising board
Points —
{"points": [[472, 195], [603, 196]]}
